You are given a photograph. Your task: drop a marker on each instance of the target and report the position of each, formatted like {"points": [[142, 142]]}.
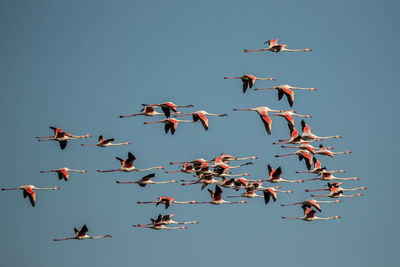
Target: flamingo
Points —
{"points": [[146, 180], [275, 176], [61, 137], [303, 154], [250, 193], [167, 107], [226, 158], [335, 187], [28, 191], [63, 172], [270, 192], [166, 219], [187, 168], [312, 202], [106, 142], [263, 112], [249, 80], [222, 168], [204, 180], [127, 165], [167, 201], [309, 215], [81, 234], [307, 134], [197, 162], [328, 176], [325, 151], [336, 193], [307, 146], [286, 90], [273, 46], [170, 124], [159, 226], [216, 197], [289, 114], [147, 111], [201, 115], [318, 169], [295, 138]]}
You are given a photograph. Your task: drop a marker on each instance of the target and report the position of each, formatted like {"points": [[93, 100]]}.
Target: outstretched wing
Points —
{"points": [[63, 144], [148, 177], [267, 121]]}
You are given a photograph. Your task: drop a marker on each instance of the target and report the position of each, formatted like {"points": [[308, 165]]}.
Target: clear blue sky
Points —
{"points": [[79, 65]]}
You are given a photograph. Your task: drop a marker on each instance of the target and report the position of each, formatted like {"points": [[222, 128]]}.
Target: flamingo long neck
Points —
{"points": [[327, 201], [96, 237], [151, 168], [295, 50], [265, 79], [164, 182]]}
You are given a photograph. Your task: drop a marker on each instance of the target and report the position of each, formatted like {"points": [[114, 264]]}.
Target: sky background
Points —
{"points": [[78, 65]]}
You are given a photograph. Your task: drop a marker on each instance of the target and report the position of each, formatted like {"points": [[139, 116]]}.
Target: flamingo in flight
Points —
{"points": [[249, 80], [270, 192], [82, 234], [312, 202], [147, 111], [303, 154], [61, 137], [167, 201], [289, 114], [63, 173], [146, 180], [106, 142], [307, 134], [306, 146], [335, 187], [127, 165], [204, 180], [197, 163], [263, 112], [335, 191], [286, 90], [309, 215], [326, 152], [250, 193], [187, 168], [167, 107], [222, 168], [170, 124], [166, 219], [273, 46], [159, 226], [328, 176], [28, 191], [318, 169], [200, 115], [216, 197], [226, 158], [275, 176], [295, 138]]}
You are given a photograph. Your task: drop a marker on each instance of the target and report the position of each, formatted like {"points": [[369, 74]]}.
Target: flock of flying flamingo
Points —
{"points": [[217, 172]]}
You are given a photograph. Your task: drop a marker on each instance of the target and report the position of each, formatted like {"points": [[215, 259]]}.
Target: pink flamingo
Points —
{"points": [[295, 138], [307, 134], [201, 115], [204, 181], [187, 168], [147, 111], [286, 90], [289, 114], [28, 191], [312, 202], [263, 112], [328, 176], [170, 124], [159, 226], [127, 165], [167, 107], [216, 197], [326, 152], [146, 180], [307, 146], [318, 169], [275, 176], [226, 158], [167, 201], [61, 137], [335, 187], [309, 215], [106, 142], [334, 193], [303, 154], [222, 168], [250, 193], [166, 220], [197, 162], [63, 172], [249, 80], [273, 46], [82, 234], [270, 192]]}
